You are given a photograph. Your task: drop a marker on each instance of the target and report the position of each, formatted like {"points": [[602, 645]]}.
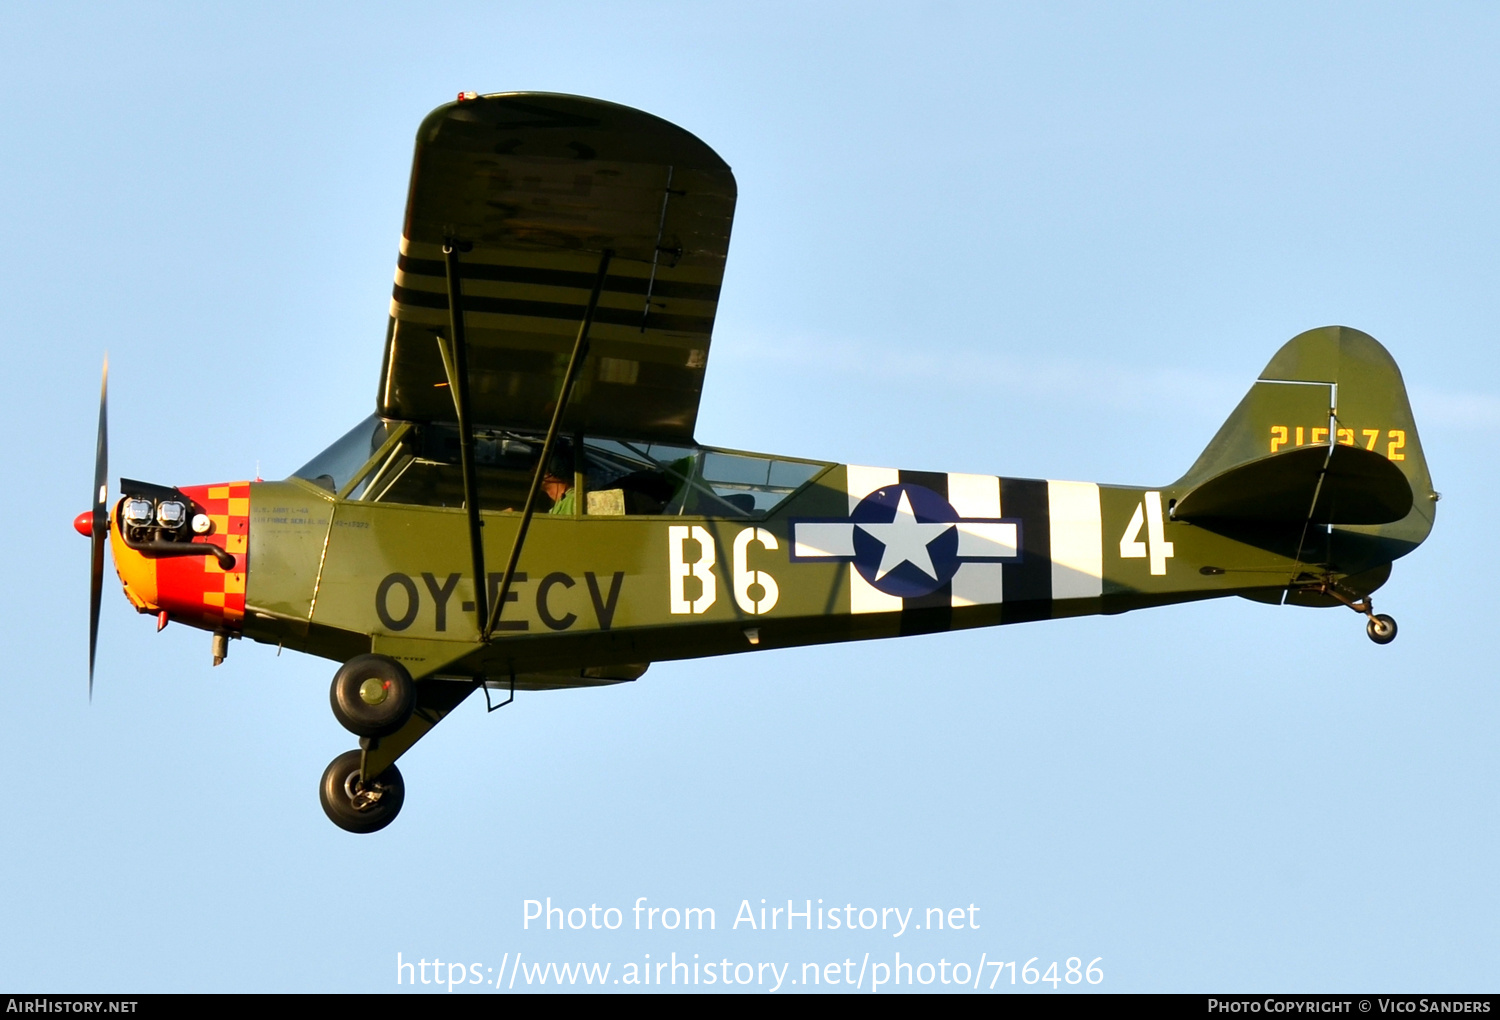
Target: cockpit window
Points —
{"points": [[754, 484], [426, 469], [673, 480], [333, 468], [422, 466], [639, 478]]}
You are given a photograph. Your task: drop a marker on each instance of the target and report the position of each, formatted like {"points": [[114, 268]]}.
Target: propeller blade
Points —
{"points": [[101, 522]]}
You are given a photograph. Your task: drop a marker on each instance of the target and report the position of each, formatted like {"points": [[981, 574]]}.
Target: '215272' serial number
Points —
{"points": [[1395, 439]]}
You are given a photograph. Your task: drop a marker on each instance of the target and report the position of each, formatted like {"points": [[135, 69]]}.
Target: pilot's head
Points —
{"points": [[559, 476], [554, 486]]}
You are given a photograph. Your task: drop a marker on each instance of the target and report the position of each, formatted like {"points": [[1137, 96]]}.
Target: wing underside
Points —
{"points": [[532, 190]]}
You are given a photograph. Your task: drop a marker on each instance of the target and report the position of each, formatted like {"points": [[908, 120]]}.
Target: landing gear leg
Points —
{"points": [[355, 805], [1381, 628]]}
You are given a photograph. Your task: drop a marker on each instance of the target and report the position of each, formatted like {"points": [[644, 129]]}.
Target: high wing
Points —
{"points": [[533, 189]]}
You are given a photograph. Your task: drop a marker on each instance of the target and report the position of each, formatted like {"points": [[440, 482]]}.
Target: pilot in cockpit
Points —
{"points": [[557, 483]]}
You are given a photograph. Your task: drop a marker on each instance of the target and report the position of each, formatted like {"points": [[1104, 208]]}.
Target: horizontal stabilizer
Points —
{"points": [[1338, 484]]}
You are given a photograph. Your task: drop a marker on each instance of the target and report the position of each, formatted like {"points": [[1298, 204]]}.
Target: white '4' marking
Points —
{"points": [[1156, 547]]}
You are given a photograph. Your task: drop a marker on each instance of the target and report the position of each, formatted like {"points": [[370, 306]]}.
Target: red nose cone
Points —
{"points": [[84, 524]]}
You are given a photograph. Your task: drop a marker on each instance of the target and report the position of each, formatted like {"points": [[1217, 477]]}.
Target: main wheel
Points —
{"points": [[372, 695], [356, 806], [1381, 628]]}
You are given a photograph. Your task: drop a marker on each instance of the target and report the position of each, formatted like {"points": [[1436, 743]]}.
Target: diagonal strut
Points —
{"points": [[575, 365]]}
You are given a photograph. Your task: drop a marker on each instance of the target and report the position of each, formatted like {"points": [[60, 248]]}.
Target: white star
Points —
{"points": [[906, 540]]}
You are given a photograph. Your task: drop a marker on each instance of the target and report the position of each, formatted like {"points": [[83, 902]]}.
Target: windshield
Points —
{"points": [[333, 468]]}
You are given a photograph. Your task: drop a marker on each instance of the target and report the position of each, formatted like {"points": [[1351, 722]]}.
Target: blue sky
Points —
{"points": [[1035, 240]]}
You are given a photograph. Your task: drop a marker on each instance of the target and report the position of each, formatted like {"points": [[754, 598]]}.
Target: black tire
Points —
{"points": [[340, 777], [397, 696], [1381, 628]]}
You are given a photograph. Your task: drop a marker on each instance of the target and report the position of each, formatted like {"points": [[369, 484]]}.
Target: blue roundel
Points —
{"points": [[912, 548]]}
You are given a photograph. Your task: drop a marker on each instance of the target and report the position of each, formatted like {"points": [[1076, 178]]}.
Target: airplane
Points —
{"points": [[558, 276]]}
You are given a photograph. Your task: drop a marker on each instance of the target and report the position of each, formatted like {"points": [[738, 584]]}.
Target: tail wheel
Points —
{"points": [[372, 696], [1381, 628], [355, 805]]}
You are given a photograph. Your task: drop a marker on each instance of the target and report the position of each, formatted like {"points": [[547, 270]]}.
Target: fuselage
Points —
{"points": [[853, 553]]}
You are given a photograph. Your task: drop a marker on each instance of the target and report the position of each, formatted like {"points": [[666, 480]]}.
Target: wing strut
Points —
{"points": [[456, 365], [575, 365]]}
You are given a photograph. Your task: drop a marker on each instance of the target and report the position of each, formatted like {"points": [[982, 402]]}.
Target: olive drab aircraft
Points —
{"points": [[527, 506]]}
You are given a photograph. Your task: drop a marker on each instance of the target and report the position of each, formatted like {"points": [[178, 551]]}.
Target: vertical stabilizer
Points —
{"points": [[1330, 387]]}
